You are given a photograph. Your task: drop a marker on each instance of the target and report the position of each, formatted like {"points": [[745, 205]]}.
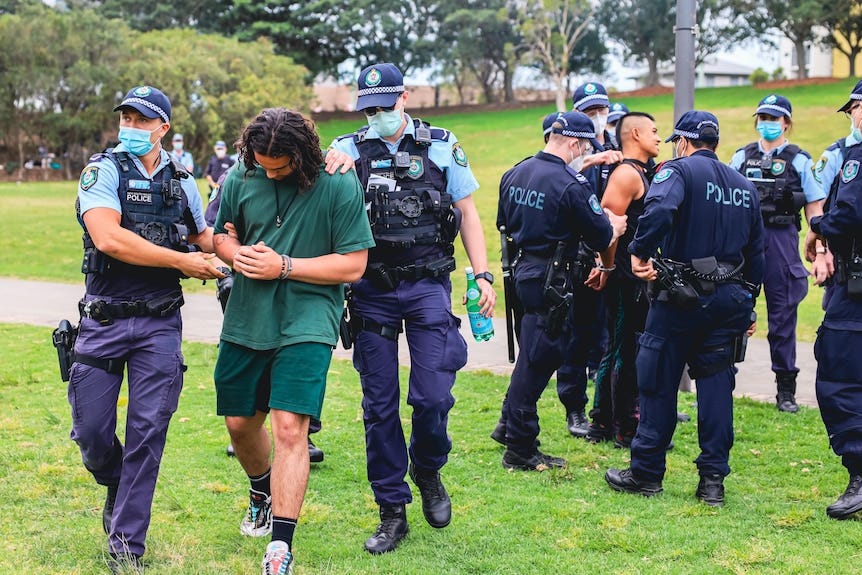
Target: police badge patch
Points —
{"points": [[89, 177], [594, 204], [459, 155], [416, 168], [818, 169], [849, 171], [662, 175], [373, 77], [777, 167]]}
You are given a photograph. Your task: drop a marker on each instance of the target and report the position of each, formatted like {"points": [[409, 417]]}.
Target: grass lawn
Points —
{"points": [[557, 522], [43, 241]]}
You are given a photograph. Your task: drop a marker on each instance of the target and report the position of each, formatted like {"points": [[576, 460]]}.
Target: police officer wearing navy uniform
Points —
{"points": [[705, 217], [418, 191], [144, 229], [839, 373], [783, 173], [591, 98], [547, 207], [826, 172]]}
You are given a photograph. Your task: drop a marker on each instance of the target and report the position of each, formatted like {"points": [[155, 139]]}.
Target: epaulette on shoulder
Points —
{"points": [[581, 179], [179, 170], [435, 132], [99, 156], [357, 136]]}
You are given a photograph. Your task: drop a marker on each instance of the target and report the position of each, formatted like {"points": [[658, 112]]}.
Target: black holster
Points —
{"points": [[64, 340], [670, 286], [557, 291]]}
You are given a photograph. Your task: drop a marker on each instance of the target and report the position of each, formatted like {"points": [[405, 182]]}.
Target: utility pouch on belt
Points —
{"points": [[345, 332], [64, 340], [740, 343], [679, 292], [557, 292]]}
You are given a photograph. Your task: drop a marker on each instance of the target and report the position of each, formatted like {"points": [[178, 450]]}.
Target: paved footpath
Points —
{"points": [[44, 303]]}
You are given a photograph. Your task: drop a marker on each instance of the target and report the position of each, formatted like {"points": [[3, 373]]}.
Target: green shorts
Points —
{"points": [[291, 378]]}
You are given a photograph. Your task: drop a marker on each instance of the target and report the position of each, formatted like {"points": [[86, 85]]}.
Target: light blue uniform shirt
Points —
{"points": [[801, 163], [460, 181], [827, 167], [184, 158], [103, 192]]}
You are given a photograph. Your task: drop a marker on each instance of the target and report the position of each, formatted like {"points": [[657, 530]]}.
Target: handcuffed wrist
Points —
{"points": [[606, 270]]}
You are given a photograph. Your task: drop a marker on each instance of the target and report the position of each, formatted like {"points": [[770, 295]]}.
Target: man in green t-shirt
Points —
{"points": [[293, 234]]}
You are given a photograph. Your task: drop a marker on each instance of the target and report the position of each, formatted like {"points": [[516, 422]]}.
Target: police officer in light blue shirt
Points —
{"points": [[705, 219], [144, 229], [180, 154], [419, 188], [783, 173]]}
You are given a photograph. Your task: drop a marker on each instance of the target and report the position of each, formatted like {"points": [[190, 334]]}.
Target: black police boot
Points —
{"points": [[315, 454], [624, 480], [392, 529], [436, 505], [850, 501], [786, 398], [108, 509], [577, 424], [499, 433], [536, 462], [710, 490], [598, 432]]}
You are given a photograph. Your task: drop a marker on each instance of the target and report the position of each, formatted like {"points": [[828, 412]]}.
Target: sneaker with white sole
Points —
{"points": [[278, 560], [258, 518]]}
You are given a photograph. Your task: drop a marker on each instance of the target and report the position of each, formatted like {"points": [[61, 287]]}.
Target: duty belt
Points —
{"points": [[106, 312], [388, 277]]}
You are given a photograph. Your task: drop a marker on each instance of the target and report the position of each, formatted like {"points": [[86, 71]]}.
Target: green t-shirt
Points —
{"points": [[328, 218]]}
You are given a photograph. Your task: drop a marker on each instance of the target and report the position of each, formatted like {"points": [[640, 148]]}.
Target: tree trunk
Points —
{"points": [[652, 75], [562, 92], [801, 70], [508, 92], [853, 53]]}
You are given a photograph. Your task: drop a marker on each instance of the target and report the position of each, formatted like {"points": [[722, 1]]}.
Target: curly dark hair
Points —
{"points": [[279, 132]]}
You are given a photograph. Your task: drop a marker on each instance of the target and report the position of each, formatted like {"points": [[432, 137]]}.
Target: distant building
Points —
{"points": [[713, 73], [819, 61]]}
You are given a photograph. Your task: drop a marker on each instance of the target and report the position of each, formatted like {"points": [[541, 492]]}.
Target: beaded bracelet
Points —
{"points": [[286, 267]]}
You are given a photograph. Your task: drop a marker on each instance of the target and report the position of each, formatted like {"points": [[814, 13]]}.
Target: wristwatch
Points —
{"points": [[485, 276]]}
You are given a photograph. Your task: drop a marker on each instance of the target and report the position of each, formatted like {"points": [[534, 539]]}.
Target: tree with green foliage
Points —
{"points": [[590, 55], [482, 39], [798, 21], [204, 15], [551, 29], [846, 26], [644, 29], [215, 84]]}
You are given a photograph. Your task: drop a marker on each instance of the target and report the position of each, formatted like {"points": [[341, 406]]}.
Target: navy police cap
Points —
{"points": [[575, 124], [774, 105], [618, 110], [696, 125], [548, 122], [589, 95], [855, 96], [149, 101], [379, 86]]}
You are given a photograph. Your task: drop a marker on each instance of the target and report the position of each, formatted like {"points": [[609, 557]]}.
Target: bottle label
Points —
{"points": [[479, 324], [473, 294]]}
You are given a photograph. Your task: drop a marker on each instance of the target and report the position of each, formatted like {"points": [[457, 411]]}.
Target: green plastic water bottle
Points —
{"points": [[481, 326]]}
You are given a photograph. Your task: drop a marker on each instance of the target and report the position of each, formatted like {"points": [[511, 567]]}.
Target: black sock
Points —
{"points": [[261, 483], [282, 529]]}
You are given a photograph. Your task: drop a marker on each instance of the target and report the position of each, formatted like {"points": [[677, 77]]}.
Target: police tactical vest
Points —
{"points": [[416, 221], [153, 209], [780, 204]]}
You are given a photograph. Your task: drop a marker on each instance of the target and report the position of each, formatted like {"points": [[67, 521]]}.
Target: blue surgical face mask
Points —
{"points": [[855, 132], [136, 141], [770, 131], [386, 123]]}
